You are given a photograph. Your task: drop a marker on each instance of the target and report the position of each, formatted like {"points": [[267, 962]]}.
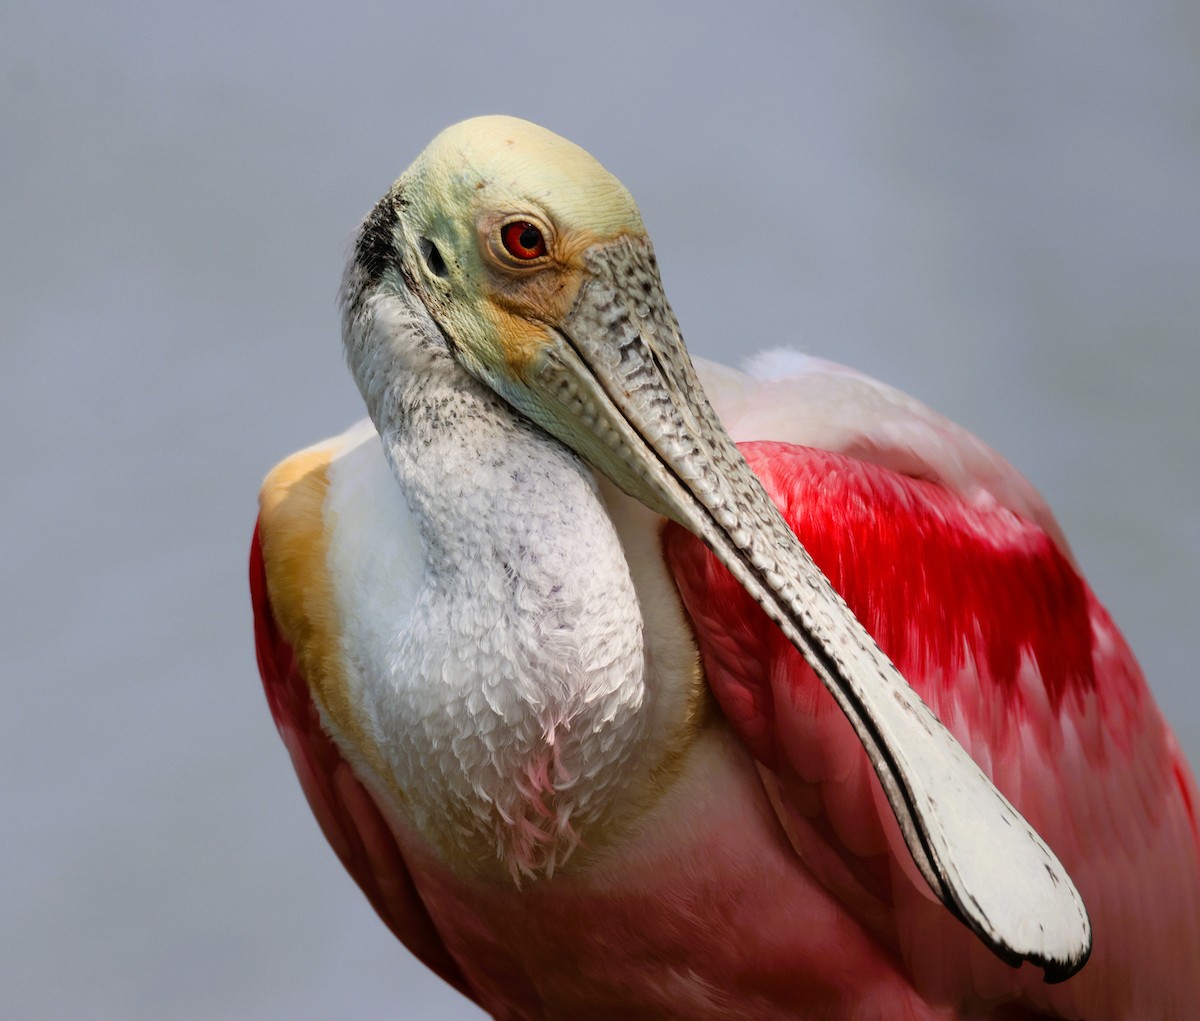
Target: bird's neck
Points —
{"points": [[522, 711]]}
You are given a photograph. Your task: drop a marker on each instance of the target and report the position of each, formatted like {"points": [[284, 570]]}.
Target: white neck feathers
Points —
{"points": [[510, 705]]}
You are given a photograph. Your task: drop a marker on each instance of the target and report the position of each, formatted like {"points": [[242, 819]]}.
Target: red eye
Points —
{"points": [[522, 240]]}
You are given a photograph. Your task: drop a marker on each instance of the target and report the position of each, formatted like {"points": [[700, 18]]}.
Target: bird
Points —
{"points": [[628, 685]]}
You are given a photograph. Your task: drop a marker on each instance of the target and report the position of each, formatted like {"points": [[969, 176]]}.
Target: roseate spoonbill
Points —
{"points": [[508, 631]]}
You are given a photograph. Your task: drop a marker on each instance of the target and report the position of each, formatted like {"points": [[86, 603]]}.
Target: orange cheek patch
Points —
{"points": [[519, 340], [521, 306]]}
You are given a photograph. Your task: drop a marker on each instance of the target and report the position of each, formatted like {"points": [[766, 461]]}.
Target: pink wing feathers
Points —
{"points": [[988, 620], [347, 813]]}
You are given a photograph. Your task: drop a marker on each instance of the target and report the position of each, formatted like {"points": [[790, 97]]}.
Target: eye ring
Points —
{"points": [[522, 240]]}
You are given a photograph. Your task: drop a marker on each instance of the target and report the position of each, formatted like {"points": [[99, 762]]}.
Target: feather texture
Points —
{"points": [[761, 875], [990, 623]]}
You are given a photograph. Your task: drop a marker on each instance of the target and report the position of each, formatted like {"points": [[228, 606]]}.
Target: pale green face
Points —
{"points": [[470, 198]]}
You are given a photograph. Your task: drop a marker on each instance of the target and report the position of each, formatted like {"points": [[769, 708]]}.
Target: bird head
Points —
{"points": [[530, 262]]}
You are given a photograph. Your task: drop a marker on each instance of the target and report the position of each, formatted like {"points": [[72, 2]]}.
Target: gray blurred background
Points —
{"points": [[995, 206]]}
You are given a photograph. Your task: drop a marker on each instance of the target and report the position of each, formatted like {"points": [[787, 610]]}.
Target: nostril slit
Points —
{"points": [[433, 258]]}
